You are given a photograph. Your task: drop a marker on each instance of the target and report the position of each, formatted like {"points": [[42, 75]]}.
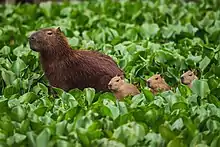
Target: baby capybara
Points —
{"points": [[66, 68], [122, 89], [156, 83], [188, 77]]}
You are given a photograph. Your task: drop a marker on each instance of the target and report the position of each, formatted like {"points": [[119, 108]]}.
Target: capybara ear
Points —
{"points": [[194, 71], [121, 76], [58, 29], [161, 75]]}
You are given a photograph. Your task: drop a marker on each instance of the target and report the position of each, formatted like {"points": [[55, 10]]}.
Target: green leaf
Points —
{"points": [[215, 142], [166, 132], [178, 124], [137, 100], [89, 94], [63, 143], [66, 11], [104, 142], [154, 139], [190, 126], [184, 90], [28, 97], [204, 63], [69, 100], [7, 126], [122, 107], [148, 94], [46, 8], [18, 113], [19, 137], [25, 126], [42, 88], [176, 142], [149, 30], [136, 132], [9, 91], [42, 139], [40, 110], [83, 138], [8, 77], [74, 42], [60, 128], [5, 50], [18, 66], [113, 109], [3, 105], [201, 88], [21, 50], [31, 138]]}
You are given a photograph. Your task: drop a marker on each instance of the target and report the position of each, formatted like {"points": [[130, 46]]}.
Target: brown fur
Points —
{"points": [[188, 77], [122, 89], [66, 68], [157, 84]]}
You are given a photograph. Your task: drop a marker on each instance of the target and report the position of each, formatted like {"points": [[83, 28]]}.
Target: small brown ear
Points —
{"points": [[121, 76], [58, 29], [194, 71], [161, 75]]}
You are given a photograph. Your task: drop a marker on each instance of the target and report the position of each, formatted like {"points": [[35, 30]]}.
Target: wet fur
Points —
{"points": [[188, 77], [67, 69], [156, 83], [122, 89]]}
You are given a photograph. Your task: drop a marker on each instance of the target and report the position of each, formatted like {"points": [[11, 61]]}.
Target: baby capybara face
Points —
{"points": [[155, 80], [115, 83], [46, 38], [188, 77]]}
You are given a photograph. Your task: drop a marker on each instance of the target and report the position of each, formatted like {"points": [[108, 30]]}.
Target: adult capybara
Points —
{"points": [[156, 83], [122, 89], [66, 68], [188, 77]]}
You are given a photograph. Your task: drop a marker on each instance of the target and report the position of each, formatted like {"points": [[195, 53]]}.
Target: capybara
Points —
{"points": [[121, 89], [66, 68], [188, 77], [156, 83]]}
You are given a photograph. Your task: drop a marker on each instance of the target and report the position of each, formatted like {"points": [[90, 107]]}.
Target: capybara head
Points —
{"points": [[115, 83], [45, 40], [155, 80], [188, 77]]}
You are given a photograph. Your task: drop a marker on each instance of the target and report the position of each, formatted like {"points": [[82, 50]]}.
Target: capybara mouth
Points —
{"points": [[183, 81], [111, 88], [32, 46]]}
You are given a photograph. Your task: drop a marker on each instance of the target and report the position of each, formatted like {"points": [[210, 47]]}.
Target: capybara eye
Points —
{"points": [[49, 33], [156, 78], [190, 75], [117, 81]]}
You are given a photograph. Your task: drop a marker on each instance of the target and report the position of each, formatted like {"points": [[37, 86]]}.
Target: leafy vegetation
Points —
{"points": [[143, 37]]}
